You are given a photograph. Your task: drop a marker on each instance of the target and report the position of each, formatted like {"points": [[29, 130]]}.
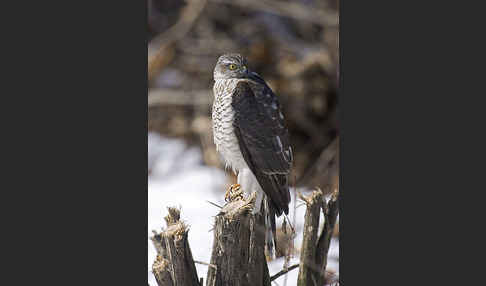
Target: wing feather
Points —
{"points": [[263, 139]]}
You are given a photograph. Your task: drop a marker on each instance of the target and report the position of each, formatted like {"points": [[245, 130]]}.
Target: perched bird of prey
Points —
{"points": [[250, 134]]}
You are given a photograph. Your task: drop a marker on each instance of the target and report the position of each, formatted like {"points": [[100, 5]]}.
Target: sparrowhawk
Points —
{"points": [[250, 134]]}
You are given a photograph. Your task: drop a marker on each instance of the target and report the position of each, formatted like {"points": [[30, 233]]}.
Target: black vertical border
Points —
{"points": [[410, 148], [78, 166]]}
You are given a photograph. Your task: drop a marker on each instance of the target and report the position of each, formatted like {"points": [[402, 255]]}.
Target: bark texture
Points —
{"points": [[238, 247], [174, 265], [238, 253], [313, 259]]}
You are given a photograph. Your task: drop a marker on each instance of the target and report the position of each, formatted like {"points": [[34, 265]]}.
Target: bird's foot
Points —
{"points": [[233, 192]]}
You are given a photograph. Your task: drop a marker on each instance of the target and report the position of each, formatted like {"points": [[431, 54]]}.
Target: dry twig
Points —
{"points": [[165, 96], [284, 271], [288, 9], [158, 47]]}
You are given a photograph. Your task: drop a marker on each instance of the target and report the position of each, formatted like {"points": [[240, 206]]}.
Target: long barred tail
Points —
{"points": [[270, 228]]}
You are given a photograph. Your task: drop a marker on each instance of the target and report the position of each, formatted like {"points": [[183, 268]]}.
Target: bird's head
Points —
{"points": [[231, 66]]}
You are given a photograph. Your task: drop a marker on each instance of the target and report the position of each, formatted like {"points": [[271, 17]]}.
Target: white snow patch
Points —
{"points": [[179, 178]]}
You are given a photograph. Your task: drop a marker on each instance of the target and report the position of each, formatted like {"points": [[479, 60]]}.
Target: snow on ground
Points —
{"points": [[179, 178]]}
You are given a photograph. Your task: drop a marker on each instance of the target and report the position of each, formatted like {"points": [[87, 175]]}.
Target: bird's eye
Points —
{"points": [[232, 66]]}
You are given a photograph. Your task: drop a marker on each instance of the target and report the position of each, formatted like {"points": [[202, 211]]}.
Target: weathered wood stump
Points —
{"points": [[238, 254], [313, 258], [174, 265], [238, 246]]}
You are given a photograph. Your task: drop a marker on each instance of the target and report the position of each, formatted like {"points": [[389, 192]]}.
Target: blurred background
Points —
{"points": [[293, 45]]}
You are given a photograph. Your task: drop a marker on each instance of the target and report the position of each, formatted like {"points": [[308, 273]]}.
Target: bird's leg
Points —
{"points": [[233, 192], [258, 202]]}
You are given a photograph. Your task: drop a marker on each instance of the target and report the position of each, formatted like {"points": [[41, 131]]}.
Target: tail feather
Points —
{"points": [[271, 228], [276, 189]]}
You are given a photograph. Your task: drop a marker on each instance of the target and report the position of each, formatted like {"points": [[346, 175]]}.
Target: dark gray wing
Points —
{"points": [[263, 139]]}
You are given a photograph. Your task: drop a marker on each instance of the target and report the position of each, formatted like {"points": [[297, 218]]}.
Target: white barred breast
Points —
{"points": [[224, 138]]}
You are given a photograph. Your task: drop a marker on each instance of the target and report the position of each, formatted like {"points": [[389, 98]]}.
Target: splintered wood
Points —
{"points": [[238, 253], [238, 246], [313, 258], [174, 265]]}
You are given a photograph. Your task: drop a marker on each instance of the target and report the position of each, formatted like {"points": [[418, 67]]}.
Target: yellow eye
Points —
{"points": [[232, 67]]}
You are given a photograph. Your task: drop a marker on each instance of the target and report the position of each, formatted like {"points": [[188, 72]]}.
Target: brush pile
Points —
{"points": [[293, 45]]}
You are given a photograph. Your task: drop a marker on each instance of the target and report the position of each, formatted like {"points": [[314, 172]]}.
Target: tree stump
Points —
{"points": [[174, 265], [238, 246], [238, 254], [313, 258]]}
